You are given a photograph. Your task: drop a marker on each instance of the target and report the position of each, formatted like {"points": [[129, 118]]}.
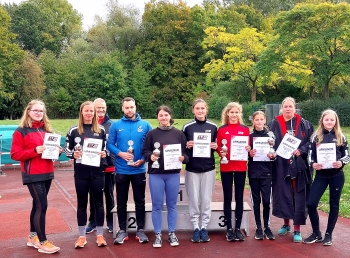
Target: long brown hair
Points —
{"points": [[224, 113], [168, 110], [337, 130], [95, 126], [26, 120]]}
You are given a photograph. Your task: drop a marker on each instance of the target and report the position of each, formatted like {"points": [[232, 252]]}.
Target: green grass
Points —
{"points": [[61, 126]]}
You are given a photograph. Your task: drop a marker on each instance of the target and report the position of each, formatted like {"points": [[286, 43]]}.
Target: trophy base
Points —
{"points": [[224, 161], [155, 166], [131, 163]]}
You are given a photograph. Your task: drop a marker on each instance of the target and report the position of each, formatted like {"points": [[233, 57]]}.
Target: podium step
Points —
{"points": [[217, 221]]}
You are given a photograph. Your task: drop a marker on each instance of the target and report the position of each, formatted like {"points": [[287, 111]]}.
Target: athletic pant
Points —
{"points": [[318, 187], [158, 184], [95, 187], [39, 192], [260, 190], [238, 178], [199, 188], [138, 184], [109, 197]]}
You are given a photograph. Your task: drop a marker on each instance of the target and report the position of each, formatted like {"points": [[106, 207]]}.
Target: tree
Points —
{"points": [[312, 47]]}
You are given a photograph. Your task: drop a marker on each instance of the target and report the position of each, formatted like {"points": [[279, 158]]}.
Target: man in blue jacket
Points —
{"points": [[125, 141]]}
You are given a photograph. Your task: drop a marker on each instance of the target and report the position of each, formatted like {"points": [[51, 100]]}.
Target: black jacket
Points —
{"points": [[258, 169], [199, 165], [107, 122]]}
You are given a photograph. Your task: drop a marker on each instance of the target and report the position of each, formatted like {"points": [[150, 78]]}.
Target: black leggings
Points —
{"points": [[82, 188], [39, 192], [227, 178], [318, 187]]}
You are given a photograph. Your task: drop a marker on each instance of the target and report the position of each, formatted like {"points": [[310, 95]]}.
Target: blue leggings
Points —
{"points": [[158, 184]]}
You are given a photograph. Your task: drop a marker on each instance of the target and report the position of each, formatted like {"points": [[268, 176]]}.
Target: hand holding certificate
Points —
{"points": [[201, 146], [238, 148], [326, 154], [51, 143], [91, 152], [287, 146], [262, 147], [171, 154]]}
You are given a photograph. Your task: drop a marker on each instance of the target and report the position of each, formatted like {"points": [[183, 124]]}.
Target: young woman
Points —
{"points": [[233, 170], [290, 192], [86, 177], [259, 174], [37, 173], [332, 176], [200, 171], [166, 177]]}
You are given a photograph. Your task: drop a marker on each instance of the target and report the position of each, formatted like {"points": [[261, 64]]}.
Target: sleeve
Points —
{"points": [[112, 140], [345, 158], [147, 147], [69, 148], [18, 149], [184, 149], [312, 158], [304, 148]]}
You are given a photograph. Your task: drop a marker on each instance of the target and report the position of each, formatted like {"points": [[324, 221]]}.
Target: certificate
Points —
{"points": [[262, 148], [287, 146], [237, 150], [171, 154], [326, 154], [51, 143], [91, 152], [201, 147]]}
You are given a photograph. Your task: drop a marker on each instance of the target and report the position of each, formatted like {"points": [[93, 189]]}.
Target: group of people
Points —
{"points": [[125, 146]]}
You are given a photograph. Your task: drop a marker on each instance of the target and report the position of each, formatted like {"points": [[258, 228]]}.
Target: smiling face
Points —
{"points": [[259, 122], [288, 110], [101, 109], [163, 118], [200, 111], [329, 121], [233, 115], [36, 112], [88, 112]]}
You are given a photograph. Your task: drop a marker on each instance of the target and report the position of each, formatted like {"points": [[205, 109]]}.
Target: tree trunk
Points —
{"points": [[326, 91], [311, 92], [253, 94]]}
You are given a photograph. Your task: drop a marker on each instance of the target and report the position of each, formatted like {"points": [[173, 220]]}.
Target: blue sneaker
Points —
{"points": [[284, 230], [91, 227], [297, 237], [196, 238], [204, 235], [110, 227]]}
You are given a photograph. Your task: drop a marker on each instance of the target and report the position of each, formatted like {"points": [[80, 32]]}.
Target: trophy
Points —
{"points": [[156, 153], [271, 142], [224, 149], [78, 147], [131, 151]]}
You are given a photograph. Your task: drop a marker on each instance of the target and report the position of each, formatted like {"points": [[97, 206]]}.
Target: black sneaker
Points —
{"points": [[259, 234], [327, 239], [230, 235], [268, 234], [173, 239], [313, 238], [204, 235], [239, 235], [196, 238]]}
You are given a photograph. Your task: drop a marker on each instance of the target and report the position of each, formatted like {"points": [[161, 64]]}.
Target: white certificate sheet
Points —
{"points": [[326, 154], [237, 148], [287, 146], [91, 152], [201, 147], [262, 148], [171, 154], [51, 143]]}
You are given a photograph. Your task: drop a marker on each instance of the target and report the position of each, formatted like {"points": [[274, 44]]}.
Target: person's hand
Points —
{"points": [[77, 154], [126, 156], [154, 157], [181, 158], [317, 166], [271, 155], [213, 145], [60, 149], [247, 148], [189, 144], [137, 163], [40, 149], [103, 154], [223, 153], [337, 164], [296, 153], [252, 152]]}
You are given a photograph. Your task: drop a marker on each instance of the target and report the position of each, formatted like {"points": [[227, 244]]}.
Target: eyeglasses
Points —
{"points": [[37, 111]]}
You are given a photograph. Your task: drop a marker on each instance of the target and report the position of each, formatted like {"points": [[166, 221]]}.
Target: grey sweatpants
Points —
{"points": [[199, 188]]}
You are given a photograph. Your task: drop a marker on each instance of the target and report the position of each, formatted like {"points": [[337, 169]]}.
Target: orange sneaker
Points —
{"points": [[48, 248], [81, 242], [101, 241], [34, 242]]}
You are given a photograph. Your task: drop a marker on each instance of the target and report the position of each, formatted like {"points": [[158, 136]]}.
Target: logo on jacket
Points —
{"points": [[240, 132], [303, 134], [140, 130], [227, 132], [208, 131]]}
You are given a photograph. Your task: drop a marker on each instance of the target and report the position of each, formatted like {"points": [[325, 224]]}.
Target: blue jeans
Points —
{"points": [[158, 184]]}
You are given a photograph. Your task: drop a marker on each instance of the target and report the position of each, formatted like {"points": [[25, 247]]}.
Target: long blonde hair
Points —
{"points": [[95, 126], [26, 120], [337, 130], [224, 113]]}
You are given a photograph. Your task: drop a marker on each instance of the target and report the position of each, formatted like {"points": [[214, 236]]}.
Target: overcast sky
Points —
{"points": [[90, 8]]}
